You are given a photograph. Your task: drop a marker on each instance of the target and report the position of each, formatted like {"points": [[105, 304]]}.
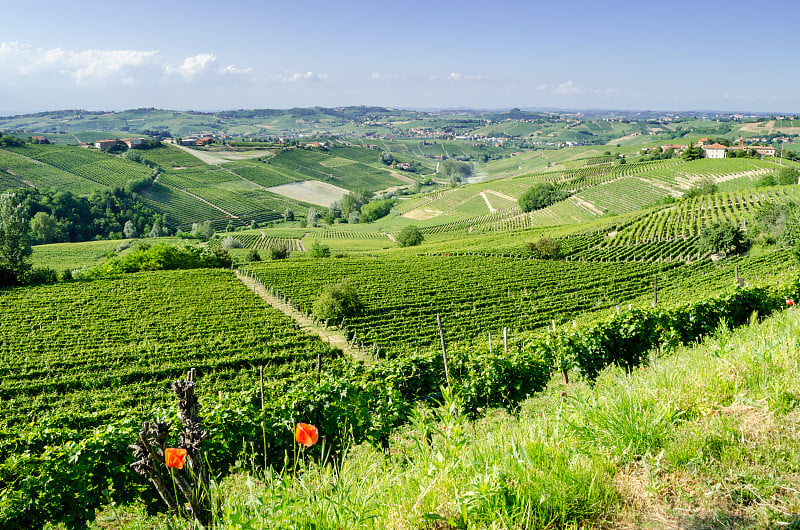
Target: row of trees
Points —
{"points": [[60, 216]]}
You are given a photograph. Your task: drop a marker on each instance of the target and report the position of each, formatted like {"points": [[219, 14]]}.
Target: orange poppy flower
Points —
{"points": [[175, 457], [306, 434]]}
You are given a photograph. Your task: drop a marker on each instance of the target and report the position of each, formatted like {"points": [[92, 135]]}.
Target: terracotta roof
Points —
{"points": [[715, 146]]}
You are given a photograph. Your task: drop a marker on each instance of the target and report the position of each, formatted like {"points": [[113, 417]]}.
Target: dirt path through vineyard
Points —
{"points": [[333, 337]]}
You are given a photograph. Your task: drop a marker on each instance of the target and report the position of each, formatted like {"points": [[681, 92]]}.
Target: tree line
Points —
{"points": [[61, 217]]}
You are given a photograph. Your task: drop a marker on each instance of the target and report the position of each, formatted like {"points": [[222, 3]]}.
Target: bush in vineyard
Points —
{"points": [[279, 252], [544, 248], [722, 238], [231, 242], [337, 301], [410, 236]]}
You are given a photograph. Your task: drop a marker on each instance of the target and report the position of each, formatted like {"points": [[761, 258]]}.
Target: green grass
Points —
{"points": [[706, 436]]}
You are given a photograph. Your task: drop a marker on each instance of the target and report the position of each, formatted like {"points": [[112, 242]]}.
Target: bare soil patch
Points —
{"points": [[311, 191], [420, 214]]}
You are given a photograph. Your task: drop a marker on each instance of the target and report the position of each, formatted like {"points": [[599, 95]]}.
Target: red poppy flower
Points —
{"points": [[790, 301], [175, 457], [306, 434]]}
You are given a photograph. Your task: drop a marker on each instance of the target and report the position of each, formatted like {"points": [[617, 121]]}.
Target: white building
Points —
{"points": [[715, 150]]}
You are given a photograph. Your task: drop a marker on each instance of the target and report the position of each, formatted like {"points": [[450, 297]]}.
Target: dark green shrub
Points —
{"points": [[410, 236], [541, 196], [337, 301]]}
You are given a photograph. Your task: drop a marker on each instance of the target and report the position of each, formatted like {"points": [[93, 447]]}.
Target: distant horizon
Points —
{"points": [[555, 110]]}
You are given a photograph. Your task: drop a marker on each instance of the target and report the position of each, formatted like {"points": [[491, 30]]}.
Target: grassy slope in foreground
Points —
{"points": [[706, 437]]}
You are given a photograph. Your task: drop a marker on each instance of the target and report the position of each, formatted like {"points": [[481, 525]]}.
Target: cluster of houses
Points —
{"points": [[131, 143], [196, 140], [716, 150]]}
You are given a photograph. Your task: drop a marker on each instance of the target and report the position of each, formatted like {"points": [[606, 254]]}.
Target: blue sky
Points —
{"points": [[202, 55]]}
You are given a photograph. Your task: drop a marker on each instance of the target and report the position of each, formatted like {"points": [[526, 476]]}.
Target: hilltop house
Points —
{"points": [[133, 142], [105, 144], [715, 150]]}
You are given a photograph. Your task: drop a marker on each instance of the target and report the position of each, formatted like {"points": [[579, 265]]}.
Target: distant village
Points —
{"points": [[716, 150]]}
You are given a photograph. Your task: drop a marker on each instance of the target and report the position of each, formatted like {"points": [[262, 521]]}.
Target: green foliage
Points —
{"points": [[162, 256], [15, 246], [410, 236], [706, 186], [202, 230], [59, 216], [544, 248], [11, 141], [692, 153], [337, 301], [231, 242], [722, 238], [352, 202], [252, 256], [375, 210], [787, 176], [318, 250], [455, 171], [278, 252], [541, 196], [773, 219]]}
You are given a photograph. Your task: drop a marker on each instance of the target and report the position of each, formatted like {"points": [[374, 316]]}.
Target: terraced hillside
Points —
{"points": [[597, 191], [67, 168]]}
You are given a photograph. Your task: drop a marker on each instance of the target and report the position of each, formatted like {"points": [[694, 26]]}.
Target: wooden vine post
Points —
{"points": [[184, 490], [444, 350]]}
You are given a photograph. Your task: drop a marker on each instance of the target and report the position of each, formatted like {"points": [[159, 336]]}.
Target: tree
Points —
{"points": [[337, 301], [129, 230], [375, 210], [692, 153], [279, 252], [155, 231], [410, 236], [15, 244], [352, 202], [289, 214], [231, 242], [544, 248], [722, 238], [541, 196], [312, 217], [318, 250], [387, 158], [773, 218], [44, 228], [788, 175], [455, 171]]}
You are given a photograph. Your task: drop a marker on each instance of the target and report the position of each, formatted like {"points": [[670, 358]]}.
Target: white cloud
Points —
{"points": [[193, 66], [377, 76], [289, 77], [458, 77], [568, 88], [102, 67]]}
